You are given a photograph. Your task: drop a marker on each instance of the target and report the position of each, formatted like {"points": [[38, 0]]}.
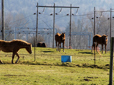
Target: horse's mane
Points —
{"points": [[19, 40], [58, 34], [98, 35], [2, 41], [104, 35], [16, 40]]}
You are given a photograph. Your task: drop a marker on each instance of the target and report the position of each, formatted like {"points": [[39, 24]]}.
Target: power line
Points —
{"points": [[70, 7]]}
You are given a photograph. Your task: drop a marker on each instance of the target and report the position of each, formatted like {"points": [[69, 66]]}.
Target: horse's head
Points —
{"points": [[29, 48], [105, 38], [63, 36]]}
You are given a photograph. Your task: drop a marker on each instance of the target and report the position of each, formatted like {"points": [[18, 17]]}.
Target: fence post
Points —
{"points": [[111, 62], [34, 50], [94, 53]]}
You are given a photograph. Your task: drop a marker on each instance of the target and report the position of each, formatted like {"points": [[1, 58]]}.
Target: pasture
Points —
{"points": [[47, 68]]}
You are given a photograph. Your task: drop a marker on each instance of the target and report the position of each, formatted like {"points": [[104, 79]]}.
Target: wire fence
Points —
{"points": [[49, 55]]}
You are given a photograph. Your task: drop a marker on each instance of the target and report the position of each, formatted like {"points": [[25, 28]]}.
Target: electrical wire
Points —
{"points": [[43, 17]]}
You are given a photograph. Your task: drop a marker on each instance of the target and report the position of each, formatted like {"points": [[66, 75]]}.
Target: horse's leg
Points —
{"points": [[17, 58], [93, 46], [14, 52], [102, 48], [97, 48], [58, 46], [13, 56], [63, 46], [105, 48]]}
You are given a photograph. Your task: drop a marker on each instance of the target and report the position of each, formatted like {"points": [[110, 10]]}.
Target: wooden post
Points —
{"points": [[35, 41], [70, 26], [34, 50], [3, 24], [111, 62], [36, 24], [94, 53], [53, 25], [94, 20], [110, 22]]}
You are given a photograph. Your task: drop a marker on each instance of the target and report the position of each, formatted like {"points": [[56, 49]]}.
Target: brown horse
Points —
{"points": [[60, 38], [14, 46], [98, 39]]}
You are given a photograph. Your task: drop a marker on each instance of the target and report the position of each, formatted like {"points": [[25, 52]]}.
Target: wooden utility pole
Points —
{"points": [[111, 62], [37, 24], [35, 40], [94, 20], [3, 25], [70, 26], [110, 22], [53, 25], [94, 42]]}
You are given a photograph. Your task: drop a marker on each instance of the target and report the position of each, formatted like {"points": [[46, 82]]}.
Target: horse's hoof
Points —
{"points": [[1, 62], [15, 62]]}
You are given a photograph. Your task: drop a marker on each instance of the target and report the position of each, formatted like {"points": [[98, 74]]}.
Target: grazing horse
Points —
{"points": [[60, 38], [41, 44], [14, 46], [98, 39]]}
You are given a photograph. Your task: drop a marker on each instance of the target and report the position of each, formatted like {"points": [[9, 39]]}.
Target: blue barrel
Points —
{"points": [[66, 58]]}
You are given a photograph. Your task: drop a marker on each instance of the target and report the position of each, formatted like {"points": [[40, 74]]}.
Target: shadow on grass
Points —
{"points": [[85, 52], [47, 51], [67, 64], [86, 65]]}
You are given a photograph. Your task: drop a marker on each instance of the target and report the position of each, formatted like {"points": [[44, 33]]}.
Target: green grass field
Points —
{"points": [[46, 68]]}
